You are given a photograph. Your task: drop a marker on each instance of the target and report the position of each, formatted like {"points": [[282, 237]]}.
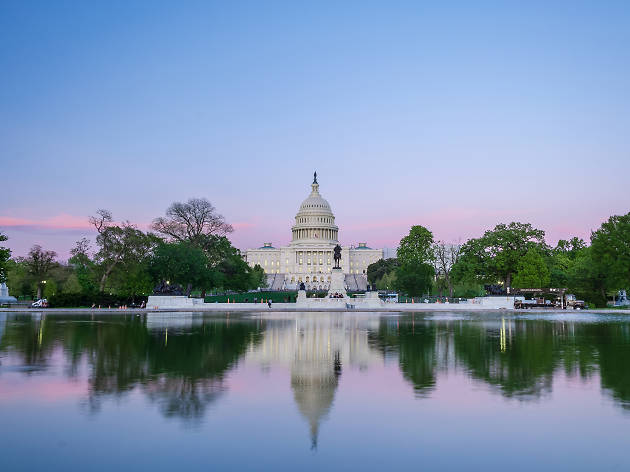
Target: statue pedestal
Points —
{"points": [[337, 283], [156, 302]]}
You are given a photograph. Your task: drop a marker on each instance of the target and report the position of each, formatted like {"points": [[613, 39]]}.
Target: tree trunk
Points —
{"points": [[450, 287], [39, 291], [188, 289], [508, 282], [104, 277]]}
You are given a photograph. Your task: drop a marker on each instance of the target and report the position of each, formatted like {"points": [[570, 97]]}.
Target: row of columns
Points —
{"points": [[310, 233]]}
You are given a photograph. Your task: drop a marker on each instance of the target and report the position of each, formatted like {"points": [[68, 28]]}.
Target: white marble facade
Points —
{"points": [[309, 256]]}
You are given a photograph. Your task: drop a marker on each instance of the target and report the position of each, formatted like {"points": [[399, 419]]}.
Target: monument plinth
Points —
{"points": [[337, 283]]}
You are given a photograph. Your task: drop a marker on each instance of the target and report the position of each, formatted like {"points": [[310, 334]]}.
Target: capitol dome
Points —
{"points": [[315, 221]]}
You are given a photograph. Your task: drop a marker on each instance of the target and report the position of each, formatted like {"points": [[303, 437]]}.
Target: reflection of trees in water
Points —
{"points": [[415, 343], [24, 336], [611, 352], [520, 363], [183, 397], [181, 369], [518, 357]]}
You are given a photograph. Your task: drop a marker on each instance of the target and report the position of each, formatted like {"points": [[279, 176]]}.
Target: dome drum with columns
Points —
{"points": [[308, 258]]}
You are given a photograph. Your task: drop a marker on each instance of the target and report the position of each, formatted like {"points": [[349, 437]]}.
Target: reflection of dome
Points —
{"points": [[315, 347], [314, 395]]}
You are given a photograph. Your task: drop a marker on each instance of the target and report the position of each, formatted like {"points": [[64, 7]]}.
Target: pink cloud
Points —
{"points": [[61, 221]]}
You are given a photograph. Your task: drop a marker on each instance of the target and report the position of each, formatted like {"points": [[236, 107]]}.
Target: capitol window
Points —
{"points": [[300, 260]]}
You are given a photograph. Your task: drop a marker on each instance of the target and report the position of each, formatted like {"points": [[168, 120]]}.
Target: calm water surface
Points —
{"points": [[312, 391]]}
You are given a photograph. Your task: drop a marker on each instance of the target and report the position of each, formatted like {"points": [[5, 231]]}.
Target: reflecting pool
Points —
{"points": [[311, 391]]}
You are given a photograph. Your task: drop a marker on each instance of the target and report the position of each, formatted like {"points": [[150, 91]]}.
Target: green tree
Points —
{"points": [[532, 271], [84, 266], [72, 284], [414, 279], [121, 247], [387, 281], [610, 246], [40, 263], [183, 264], [235, 274], [258, 276], [5, 255], [495, 256], [50, 288], [562, 258], [587, 278], [416, 247], [19, 278], [377, 270]]}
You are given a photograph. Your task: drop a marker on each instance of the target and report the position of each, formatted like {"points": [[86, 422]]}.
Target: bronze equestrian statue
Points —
{"points": [[337, 256]]}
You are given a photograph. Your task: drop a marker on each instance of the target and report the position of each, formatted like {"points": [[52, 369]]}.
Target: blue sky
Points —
{"points": [[454, 115]]}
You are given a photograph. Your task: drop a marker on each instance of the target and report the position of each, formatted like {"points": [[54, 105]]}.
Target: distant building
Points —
{"points": [[308, 258], [390, 252]]}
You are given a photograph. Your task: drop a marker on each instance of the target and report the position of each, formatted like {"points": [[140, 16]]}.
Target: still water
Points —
{"points": [[313, 391]]}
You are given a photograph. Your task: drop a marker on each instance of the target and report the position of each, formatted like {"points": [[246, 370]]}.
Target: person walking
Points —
{"points": [[269, 303]]}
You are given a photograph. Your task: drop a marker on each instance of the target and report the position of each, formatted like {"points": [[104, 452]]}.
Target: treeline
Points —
{"points": [[187, 249], [514, 256]]}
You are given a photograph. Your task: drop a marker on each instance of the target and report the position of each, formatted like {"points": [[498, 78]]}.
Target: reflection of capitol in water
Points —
{"points": [[316, 348]]}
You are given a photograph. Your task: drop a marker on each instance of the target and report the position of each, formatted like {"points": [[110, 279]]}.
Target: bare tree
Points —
{"points": [[39, 263], [195, 221], [445, 257], [102, 220]]}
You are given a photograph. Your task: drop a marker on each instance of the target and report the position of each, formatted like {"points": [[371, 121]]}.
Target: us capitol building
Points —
{"points": [[309, 256]]}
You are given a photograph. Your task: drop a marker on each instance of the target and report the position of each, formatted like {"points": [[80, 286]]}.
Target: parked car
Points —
{"points": [[573, 302], [41, 303]]}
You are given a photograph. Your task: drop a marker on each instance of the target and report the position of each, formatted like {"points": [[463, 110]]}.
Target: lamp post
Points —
{"points": [[40, 289]]}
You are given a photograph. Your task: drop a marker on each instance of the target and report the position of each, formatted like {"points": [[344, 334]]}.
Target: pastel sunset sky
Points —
{"points": [[454, 115]]}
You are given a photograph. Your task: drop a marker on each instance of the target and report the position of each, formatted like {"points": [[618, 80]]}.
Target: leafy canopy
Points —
{"points": [[496, 255], [532, 271], [183, 264], [414, 279], [610, 246], [416, 247]]}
